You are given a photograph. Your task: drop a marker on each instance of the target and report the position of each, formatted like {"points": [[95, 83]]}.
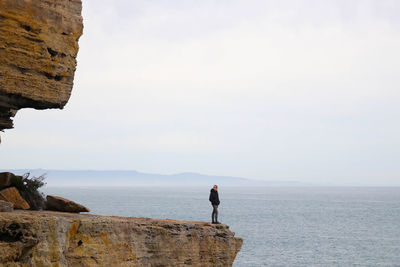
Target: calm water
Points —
{"points": [[299, 226]]}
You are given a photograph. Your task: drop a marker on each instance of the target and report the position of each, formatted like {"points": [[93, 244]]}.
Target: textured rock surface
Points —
{"points": [[62, 204], [38, 49], [12, 195], [62, 239], [6, 206], [5, 179]]}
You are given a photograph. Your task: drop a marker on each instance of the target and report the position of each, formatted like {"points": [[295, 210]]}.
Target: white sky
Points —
{"points": [[275, 90]]}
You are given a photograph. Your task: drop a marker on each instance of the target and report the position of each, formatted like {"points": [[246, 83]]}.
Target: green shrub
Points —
{"points": [[28, 188]]}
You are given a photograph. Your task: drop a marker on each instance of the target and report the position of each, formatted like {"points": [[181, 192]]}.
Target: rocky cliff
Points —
{"points": [[29, 238], [38, 49]]}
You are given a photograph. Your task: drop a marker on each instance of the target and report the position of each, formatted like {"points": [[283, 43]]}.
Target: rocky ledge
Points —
{"points": [[38, 49], [44, 238]]}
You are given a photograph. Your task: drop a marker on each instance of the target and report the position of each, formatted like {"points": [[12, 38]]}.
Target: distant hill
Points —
{"points": [[134, 178]]}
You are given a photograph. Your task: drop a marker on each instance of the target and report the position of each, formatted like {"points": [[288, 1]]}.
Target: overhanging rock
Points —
{"points": [[38, 49]]}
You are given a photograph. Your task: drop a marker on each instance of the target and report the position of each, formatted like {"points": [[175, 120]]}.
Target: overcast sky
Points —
{"points": [[274, 90]]}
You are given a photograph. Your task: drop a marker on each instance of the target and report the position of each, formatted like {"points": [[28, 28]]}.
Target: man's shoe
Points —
{"points": [[217, 222]]}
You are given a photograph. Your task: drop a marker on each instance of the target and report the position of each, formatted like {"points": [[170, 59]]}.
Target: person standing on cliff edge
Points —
{"points": [[214, 199]]}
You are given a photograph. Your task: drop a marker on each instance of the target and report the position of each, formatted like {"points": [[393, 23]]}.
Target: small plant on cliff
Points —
{"points": [[30, 185], [29, 189]]}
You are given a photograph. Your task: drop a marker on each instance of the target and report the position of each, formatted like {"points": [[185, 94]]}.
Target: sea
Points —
{"points": [[281, 226]]}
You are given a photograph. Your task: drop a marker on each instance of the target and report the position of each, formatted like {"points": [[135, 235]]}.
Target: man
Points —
{"points": [[214, 199]]}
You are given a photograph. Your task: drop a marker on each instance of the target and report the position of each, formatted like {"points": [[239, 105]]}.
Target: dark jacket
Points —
{"points": [[214, 197]]}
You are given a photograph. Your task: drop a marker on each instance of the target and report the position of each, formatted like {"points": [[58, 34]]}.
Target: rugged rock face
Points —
{"points": [[29, 238], [38, 49]]}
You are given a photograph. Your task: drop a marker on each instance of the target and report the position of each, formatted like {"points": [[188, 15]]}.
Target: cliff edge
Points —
{"points": [[38, 49], [41, 238]]}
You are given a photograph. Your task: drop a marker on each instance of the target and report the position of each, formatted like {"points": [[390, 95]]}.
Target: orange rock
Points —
{"points": [[12, 195]]}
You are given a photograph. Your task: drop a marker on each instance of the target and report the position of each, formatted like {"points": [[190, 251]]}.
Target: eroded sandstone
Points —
{"points": [[13, 196], [29, 238], [38, 49]]}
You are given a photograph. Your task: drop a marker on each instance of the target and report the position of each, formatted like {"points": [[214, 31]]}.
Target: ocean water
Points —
{"points": [[281, 226]]}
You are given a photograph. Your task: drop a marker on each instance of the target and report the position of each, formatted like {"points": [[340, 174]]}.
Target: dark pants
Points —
{"points": [[214, 214]]}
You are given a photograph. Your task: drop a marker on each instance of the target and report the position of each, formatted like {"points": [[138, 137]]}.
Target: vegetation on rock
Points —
{"points": [[29, 189]]}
